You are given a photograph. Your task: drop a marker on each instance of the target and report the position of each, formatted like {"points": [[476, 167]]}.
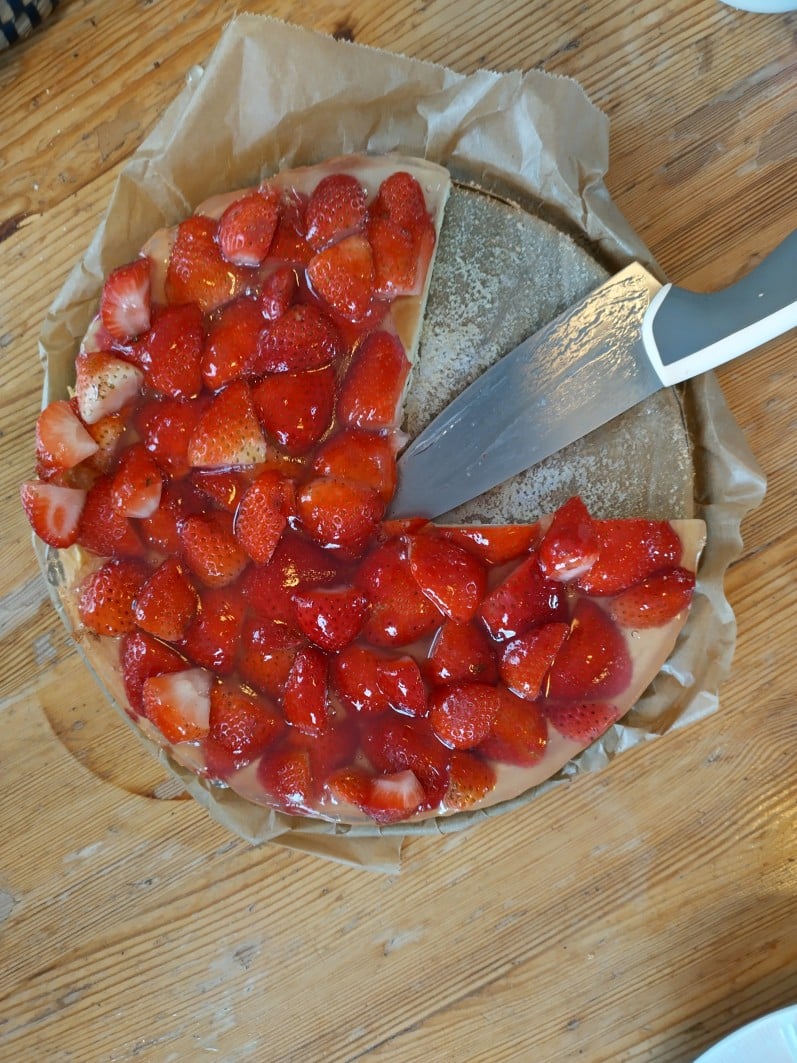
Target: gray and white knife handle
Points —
{"points": [[687, 333]]}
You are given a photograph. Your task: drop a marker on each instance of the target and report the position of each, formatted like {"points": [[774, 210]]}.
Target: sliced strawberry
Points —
{"points": [[336, 207], [225, 487], [166, 602], [213, 637], [525, 661], [171, 352], [400, 612], [629, 551], [178, 703], [232, 343], [448, 575], [142, 656], [303, 338], [211, 550], [370, 395], [277, 292], [54, 512], [354, 675], [263, 514], [268, 649], [470, 780], [287, 777], [247, 227], [570, 546], [343, 276], [462, 714], [228, 432], [494, 545], [654, 601], [582, 721], [331, 617], [395, 257], [104, 529], [289, 244], [360, 457], [242, 724], [393, 743], [401, 682], [519, 734], [166, 427], [461, 652], [295, 564], [162, 529], [296, 408], [104, 384], [105, 598], [197, 272], [125, 300], [137, 483], [62, 440], [338, 514], [305, 702], [526, 597], [593, 661]]}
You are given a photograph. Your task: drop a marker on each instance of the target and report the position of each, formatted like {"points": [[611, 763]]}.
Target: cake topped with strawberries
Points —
{"points": [[218, 483]]}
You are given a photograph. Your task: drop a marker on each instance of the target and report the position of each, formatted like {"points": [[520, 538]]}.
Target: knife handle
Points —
{"points": [[687, 333]]}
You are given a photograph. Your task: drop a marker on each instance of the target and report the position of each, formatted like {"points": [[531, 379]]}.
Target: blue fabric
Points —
{"points": [[18, 17]]}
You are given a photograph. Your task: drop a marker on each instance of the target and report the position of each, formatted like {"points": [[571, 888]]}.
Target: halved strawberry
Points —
{"points": [[401, 199], [286, 775], [125, 300], [570, 546], [462, 714], [339, 514], [228, 432], [385, 798], [166, 427], [103, 528], [402, 235], [526, 597], [582, 721], [371, 392], [332, 748], [354, 676], [525, 661], [395, 257], [401, 682], [593, 661], [162, 529], [361, 457], [629, 551], [242, 724], [268, 649], [104, 384], [470, 779], [400, 612], [289, 244], [166, 602], [331, 617], [343, 276], [178, 703], [213, 637], [461, 652], [296, 408], [304, 337], [107, 433], [197, 272], [232, 343], [305, 702], [211, 550], [247, 226], [448, 575], [336, 208], [53, 511], [277, 292], [105, 597], [137, 482], [62, 440], [263, 514], [295, 564], [170, 353], [519, 734], [495, 545], [654, 601], [225, 487], [142, 656], [393, 743]]}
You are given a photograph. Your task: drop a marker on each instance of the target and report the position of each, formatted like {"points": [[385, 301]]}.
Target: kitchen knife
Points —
{"points": [[614, 348]]}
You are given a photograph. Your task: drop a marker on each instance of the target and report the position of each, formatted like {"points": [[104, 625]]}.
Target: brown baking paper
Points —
{"points": [[273, 96]]}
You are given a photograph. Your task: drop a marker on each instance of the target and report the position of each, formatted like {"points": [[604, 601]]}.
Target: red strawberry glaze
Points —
{"points": [[272, 630]]}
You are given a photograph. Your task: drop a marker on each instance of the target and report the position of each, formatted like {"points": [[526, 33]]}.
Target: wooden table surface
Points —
{"points": [[639, 913]]}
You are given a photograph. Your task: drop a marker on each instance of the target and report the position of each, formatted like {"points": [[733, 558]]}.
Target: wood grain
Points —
{"points": [[637, 914]]}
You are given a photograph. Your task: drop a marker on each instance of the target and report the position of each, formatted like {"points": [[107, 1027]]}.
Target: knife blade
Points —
{"points": [[614, 348]]}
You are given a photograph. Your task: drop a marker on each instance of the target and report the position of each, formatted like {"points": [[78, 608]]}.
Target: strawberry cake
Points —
{"points": [[216, 487]]}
